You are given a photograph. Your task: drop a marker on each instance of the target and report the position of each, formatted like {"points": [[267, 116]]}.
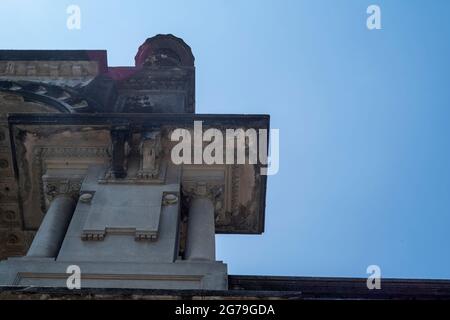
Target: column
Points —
{"points": [[50, 235], [201, 240]]}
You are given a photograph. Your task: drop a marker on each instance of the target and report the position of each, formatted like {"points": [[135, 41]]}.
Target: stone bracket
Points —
{"points": [[119, 139]]}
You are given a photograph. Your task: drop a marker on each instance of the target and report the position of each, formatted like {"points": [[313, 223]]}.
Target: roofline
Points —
{"points": [[266, 287], [260, 121]]}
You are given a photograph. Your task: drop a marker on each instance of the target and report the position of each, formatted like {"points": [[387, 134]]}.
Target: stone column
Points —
{"points": [[48, 239], [201, 240]]}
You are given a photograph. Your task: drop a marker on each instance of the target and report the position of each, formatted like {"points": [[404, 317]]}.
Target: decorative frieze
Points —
{"points": [[51, 69], [71, 152]]}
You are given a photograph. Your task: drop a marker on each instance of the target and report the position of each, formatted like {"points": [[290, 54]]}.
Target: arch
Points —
{"points": [[63, 100]]}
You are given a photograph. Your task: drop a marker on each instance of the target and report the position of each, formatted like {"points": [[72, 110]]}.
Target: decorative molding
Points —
{"points": [[93, 235], [71, 152], [51, 69], [99, 235], [108, 178], [102, 276], [141, 235]]}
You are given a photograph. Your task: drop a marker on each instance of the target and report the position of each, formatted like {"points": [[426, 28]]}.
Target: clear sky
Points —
{"points": [[363, 117]]}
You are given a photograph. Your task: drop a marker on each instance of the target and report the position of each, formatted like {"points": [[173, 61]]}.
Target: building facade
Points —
{"points": [[88, 177]]}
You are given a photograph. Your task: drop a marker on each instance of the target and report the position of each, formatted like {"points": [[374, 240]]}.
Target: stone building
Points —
{"points": [[87, 180]]}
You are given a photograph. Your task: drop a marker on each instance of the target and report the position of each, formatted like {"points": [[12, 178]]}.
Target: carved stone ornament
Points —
{"points": [[150, 155], [212, 190], [136, 158], [55, 186]]}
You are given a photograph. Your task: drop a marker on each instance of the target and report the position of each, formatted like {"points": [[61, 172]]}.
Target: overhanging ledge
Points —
{"points": [[247, 120], [244, 193]]}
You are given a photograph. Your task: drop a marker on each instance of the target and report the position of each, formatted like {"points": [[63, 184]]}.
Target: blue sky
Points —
{"points": [[363, 117]]}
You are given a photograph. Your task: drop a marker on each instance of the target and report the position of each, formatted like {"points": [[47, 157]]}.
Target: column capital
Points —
{"points": [[211, 190], [61, 186]]}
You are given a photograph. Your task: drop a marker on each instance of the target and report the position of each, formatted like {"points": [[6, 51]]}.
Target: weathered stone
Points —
{"points": [[77, 136]]}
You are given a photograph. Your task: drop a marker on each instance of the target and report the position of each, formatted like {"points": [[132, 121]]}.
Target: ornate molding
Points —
{"points": [[70, 152], [52, 69], [93, 235], [99, 235]]}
